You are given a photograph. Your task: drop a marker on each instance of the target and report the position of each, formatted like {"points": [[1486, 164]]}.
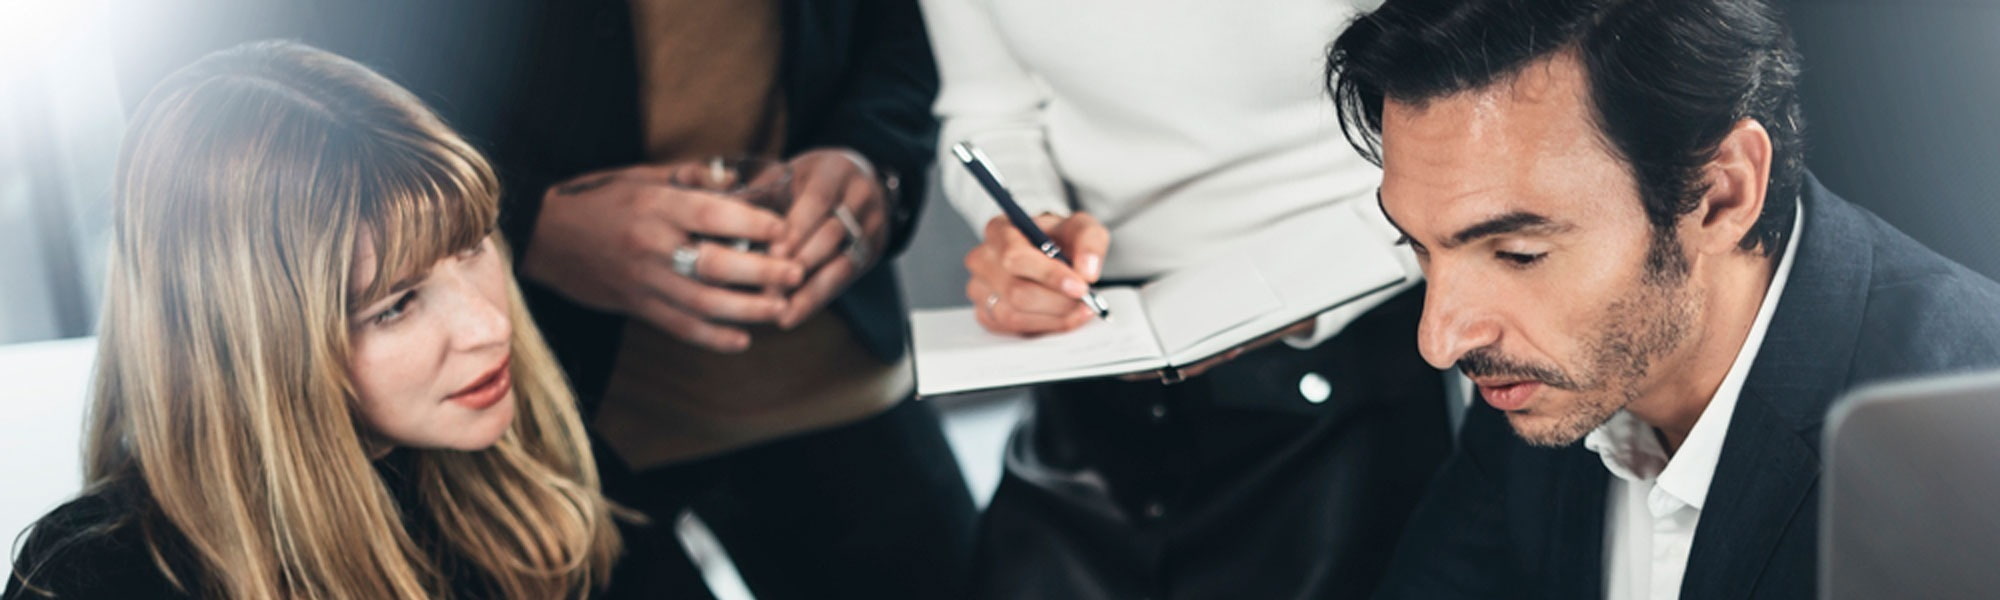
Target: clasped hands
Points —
{"points": [[627, 240]]}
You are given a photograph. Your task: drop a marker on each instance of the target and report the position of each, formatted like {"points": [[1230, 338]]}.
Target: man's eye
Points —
{"points": [[1415, 247], [1519, 259], [395, 311]]}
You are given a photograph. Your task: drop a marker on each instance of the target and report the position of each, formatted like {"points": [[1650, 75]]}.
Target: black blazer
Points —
{"points": [[94, 547], [549, 91], [1863, 303]]}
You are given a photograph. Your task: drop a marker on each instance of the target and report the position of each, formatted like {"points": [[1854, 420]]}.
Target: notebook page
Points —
{"points": [[1195, 304], [1313, 262], [953, 353]]}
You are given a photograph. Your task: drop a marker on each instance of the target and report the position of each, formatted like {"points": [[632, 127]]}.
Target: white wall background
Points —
{"points": [[42, 387]]}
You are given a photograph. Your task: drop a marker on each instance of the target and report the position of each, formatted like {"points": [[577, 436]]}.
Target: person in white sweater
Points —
{"points": [[1146, 136]]}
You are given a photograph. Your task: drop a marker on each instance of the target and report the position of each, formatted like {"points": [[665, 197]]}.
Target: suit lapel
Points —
{"points": [[1765, 477], [1770, 459], [1576, 536]]}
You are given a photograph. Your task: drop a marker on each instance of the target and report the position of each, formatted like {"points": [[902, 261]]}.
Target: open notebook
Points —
{"points": [[1302, 267]]}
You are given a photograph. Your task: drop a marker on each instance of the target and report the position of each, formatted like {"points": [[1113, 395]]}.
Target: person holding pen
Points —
{"points": [[981, 168], [1142, 138]]}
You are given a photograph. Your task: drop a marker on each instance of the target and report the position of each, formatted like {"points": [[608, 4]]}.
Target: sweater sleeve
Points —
{"points": [[989, 98]]}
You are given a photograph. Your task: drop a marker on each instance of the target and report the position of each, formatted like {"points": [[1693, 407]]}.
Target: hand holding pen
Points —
{"points": [[1021, 283]]}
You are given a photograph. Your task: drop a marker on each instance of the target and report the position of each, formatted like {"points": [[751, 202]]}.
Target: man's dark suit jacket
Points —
{"points": [[1863, 303], [550, 90]]}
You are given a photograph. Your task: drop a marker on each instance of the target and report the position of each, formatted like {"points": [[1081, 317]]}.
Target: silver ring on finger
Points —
{"points": [[685, 257], [991, 301], [857, 238]]}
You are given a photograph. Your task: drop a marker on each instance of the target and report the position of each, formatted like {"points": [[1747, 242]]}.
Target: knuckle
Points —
{"points": [[989, 259], [707, 336], [708, 214], [1020, 295], [775, 271], [705, 266], [1054, 278], [628, 275], [813, 199], [670, 319], [629, 241], [1016, 260], [1009, 321], [703, 302], [830, 231], [996, 241]]}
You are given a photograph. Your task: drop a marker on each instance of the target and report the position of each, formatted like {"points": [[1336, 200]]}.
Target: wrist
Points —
{"points": [[887, 181], [855, 156], [533, 261], [888, 184]]}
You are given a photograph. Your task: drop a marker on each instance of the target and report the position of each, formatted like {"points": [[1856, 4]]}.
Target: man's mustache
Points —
{"points": [[1485, 362]]}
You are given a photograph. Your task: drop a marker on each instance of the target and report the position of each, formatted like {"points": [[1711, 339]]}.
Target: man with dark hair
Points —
{"points": [[1623, 248]]}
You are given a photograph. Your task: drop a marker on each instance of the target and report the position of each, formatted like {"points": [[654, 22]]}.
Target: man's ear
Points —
{"points": [[1737, 179]]}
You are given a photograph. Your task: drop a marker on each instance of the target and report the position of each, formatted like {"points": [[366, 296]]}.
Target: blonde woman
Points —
{"points": [[316, 378]]}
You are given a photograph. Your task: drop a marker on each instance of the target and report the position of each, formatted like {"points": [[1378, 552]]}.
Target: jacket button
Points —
{"points": [[1315, 388]]}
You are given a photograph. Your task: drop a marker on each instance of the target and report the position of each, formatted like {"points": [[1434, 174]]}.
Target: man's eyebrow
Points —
{"points": [[1513, 222]]}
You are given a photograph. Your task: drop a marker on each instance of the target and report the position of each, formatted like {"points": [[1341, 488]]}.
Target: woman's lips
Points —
{"points": [[487, 390], [1510, 397]]}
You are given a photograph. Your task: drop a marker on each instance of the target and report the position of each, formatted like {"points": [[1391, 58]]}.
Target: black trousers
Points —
{"points": [[1282, 474], [877, 509]]}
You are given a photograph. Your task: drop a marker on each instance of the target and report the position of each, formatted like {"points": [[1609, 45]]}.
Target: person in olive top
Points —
{"points": [[316, 377]]}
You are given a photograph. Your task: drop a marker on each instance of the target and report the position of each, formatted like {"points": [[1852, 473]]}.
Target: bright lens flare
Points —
{"points": [[34, 32]]}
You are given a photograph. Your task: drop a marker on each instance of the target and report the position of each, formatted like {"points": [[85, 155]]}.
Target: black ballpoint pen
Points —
{"points": [[975, 161]]}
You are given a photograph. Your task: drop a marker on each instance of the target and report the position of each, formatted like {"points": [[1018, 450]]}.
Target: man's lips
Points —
{"points": [[488, 389], [1508, 395]]}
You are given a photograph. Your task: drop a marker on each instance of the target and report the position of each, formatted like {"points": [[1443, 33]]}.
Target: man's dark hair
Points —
{"points": [[1668, 79]]}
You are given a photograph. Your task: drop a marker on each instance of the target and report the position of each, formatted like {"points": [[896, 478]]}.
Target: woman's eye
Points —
{"points": [[475, 250], [395, 311], [1519, 259]]}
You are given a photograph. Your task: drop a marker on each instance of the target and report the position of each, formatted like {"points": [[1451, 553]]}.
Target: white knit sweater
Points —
{"points": [[1185, 125]]}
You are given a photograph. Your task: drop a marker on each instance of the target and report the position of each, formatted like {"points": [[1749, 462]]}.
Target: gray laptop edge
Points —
{"points": [[1911, 507]]}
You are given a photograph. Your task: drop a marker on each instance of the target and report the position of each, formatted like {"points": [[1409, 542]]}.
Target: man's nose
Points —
{"points": [[1454, 323]]}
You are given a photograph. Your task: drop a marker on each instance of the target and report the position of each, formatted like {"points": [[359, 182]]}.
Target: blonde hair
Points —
{"points": [[244, 187]]}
